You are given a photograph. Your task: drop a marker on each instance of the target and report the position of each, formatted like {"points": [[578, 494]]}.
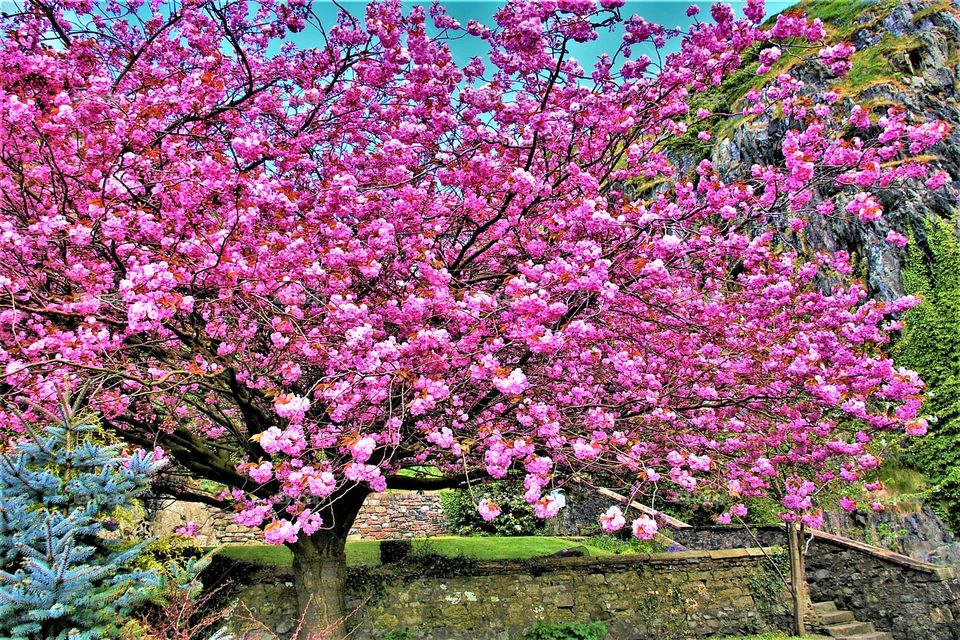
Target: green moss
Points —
{"points": [[944, 6], [902, 483], [723, 101], [367, 552], [844, 18], [874, 65], [930, 344], [767, 586]]}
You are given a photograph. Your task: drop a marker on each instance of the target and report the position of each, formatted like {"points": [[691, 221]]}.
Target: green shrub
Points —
{"points": [[930, 345], [428, 562], [399, 634], [395, 550], [516, 517], [567, 631], [619, 546]]}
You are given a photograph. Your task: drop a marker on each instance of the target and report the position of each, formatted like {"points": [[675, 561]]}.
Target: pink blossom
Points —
{"points": [[699, 463], [261, 473], [848, 504], [546, 507], [859, 117], [937, 180], [754, 11], [488, 510], [812, 520], [896, 239], [865, 207], [321, 484], [289, 441], [340, 266], [645, 528], [612, 520], [585, 451], [309, 522], [188, 530], [683, 479], [837, 57], [363, 448], [916, 427], [443, 438], [281, 531], [514, 384], [292, 407], [253, 516]]}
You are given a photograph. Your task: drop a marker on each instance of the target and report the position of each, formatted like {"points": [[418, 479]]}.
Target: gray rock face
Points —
{"points": [[918, 533], [927, 88]]}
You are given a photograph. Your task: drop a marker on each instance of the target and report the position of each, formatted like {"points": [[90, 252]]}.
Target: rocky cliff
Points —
{"points": [[908, 55], [918, 532]]}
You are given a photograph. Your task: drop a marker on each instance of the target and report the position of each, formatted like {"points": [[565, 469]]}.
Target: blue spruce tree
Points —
{"points": [[61, 574]]}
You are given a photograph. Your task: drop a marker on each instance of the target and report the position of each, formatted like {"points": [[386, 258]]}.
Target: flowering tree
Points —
{"points": [[302, 270]]}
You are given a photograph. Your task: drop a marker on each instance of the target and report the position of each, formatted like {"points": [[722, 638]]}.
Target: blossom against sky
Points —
{"points": [[669, 13]]}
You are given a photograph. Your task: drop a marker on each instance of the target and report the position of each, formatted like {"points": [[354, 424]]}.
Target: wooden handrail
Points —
{"points": [[673, 522]]}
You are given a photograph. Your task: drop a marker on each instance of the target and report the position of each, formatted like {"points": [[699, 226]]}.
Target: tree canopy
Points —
{"points": [[301, 271]]}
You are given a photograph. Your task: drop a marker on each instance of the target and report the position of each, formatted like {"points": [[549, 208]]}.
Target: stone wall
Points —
{"points": [[913, 600], [214, 526], [392, 514], [579, 516], [400, 514], [644, 597]]}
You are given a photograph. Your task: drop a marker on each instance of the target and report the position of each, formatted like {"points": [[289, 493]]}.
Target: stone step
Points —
{"points": [[847, 630], [824, 607], [834, 617], [840, 624]]}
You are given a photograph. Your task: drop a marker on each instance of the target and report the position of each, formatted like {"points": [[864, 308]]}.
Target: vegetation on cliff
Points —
{"points": [[930, 344]]}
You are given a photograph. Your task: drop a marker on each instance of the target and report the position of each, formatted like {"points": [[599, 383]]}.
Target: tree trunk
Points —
{"points": [[319, 575], [799, 590], [320, 570]]}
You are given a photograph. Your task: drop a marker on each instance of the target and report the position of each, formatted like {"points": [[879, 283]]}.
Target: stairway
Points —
{"points": [[842, 625]]}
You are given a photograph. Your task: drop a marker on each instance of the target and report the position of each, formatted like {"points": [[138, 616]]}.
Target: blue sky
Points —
{"points": [[669, 13]]}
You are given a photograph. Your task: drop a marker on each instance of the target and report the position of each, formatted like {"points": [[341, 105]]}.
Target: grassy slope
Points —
{"points": [[843, 20], [366, 552]]}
